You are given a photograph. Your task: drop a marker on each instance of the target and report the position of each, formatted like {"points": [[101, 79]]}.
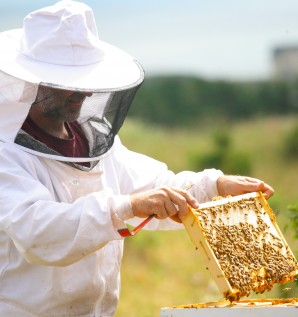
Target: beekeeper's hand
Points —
{"points": [[163, 203], [238, 185]]}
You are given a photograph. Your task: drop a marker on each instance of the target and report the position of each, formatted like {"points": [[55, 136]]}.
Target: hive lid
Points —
{"points": [[242, 244], [244, 308]]}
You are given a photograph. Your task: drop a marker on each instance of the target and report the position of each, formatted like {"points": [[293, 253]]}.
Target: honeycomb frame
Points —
{"points": [[242, 244]]}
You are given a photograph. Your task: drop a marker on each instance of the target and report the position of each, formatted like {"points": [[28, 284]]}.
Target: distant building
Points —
{"points": [[285, 62]]}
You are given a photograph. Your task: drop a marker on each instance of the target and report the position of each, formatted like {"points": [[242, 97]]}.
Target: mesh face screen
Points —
{"points": [[100, 115]]}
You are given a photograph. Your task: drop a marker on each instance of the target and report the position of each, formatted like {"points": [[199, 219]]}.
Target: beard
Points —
{"points": [[56, 106]]}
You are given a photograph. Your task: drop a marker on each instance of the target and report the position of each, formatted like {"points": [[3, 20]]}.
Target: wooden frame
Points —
{"points": [[254, 220]]}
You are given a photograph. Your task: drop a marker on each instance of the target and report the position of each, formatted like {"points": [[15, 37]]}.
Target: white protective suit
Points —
{"points": [[60, 250]]}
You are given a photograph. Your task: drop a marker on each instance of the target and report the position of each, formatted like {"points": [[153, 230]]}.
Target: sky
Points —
{"points": [[212, 39]]}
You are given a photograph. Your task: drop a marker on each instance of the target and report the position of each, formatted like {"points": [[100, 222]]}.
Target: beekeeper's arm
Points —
{"points": [[156, 190]]}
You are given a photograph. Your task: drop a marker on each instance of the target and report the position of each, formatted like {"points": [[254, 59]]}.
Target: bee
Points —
{"points": [[287, 289]]}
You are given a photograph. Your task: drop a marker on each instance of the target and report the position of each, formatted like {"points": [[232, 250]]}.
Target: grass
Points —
{"points": [[163, 268]]}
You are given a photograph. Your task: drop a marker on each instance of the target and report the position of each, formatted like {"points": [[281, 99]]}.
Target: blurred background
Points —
{"points": [[226, 39], [221, 91]]}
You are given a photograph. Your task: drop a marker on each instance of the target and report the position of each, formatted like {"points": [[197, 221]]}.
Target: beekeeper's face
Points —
{"points": [[63, 105]]}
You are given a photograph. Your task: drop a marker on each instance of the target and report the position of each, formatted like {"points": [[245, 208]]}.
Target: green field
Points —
{"points": [[163, 269]]}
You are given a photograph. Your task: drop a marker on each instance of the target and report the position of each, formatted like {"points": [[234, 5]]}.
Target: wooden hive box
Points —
{"points": [[243, 246]]}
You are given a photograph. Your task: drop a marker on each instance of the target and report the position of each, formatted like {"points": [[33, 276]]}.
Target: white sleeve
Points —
{"points": [[138, 173]]}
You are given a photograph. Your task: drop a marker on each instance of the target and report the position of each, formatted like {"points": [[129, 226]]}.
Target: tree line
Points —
{"points": [[179, 100]]}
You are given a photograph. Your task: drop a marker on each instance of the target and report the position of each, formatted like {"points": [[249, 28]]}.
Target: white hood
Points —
{"points": [[59, 47], [16, 97]]}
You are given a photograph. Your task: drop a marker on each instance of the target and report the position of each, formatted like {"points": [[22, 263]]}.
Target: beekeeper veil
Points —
{"points": [[56, 51]]}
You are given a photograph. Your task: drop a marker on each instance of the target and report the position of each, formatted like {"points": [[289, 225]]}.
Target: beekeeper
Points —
{"points": [[67, 184]]}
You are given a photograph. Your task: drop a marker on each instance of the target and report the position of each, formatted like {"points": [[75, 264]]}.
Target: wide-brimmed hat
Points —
{"points": [[59, 45]]}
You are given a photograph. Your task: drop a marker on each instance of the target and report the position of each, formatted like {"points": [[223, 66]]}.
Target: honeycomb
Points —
{"points": [[244, 248]]}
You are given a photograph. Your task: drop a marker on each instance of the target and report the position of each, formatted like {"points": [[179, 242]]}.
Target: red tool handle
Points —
{"points": [[124, 232]]}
